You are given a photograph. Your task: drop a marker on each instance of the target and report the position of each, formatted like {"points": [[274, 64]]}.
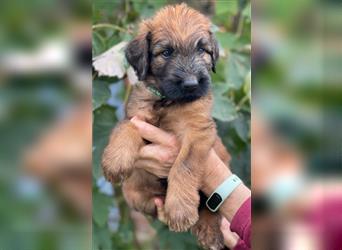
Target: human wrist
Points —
{"points": [[216, 172], [234, 201]]}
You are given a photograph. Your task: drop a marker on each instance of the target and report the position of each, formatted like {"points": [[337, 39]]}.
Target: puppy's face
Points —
{"points": [[175, 51], [181, 70]]}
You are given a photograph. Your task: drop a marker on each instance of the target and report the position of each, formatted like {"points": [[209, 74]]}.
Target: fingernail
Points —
{"points": [[224, 224], [135, 121], [158, 202]]}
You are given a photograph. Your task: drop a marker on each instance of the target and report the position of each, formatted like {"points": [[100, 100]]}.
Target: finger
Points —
{"points": [[154, 151], [153, 167], [152, 133], [225, 225], [160, 209], [230, 238]]}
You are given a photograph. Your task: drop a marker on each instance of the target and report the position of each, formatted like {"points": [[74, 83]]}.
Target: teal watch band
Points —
{"points": [[222, 192]]}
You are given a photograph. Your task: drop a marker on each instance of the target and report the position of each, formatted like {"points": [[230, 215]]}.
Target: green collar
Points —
{"points": [[155, 91]]}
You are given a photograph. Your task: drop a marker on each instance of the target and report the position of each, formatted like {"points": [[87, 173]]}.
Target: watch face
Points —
{"points": [[214, 201]]}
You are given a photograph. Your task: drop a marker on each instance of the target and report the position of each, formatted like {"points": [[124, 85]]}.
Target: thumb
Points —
{"points": [[160, 209]]}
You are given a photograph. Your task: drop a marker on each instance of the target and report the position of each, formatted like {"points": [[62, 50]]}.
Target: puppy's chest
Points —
{"points": [[183, 119], [175, 118], [176, 124]]}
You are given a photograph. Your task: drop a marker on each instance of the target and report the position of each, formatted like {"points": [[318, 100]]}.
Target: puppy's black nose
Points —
{"points": [[190, 83]]}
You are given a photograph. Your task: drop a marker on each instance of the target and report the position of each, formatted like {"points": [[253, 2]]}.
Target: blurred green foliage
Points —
{"points": [[297, 78], [25, 24], [116, 21], [33, 216]]}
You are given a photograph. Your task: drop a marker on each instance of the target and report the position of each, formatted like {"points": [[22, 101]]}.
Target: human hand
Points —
{"points": [[230, 238], [157, 157]]}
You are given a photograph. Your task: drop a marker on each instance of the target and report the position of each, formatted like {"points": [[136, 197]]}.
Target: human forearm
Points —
{"points": [[216, 173]]}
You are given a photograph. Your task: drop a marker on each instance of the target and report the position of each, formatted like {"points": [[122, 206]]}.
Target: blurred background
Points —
{"points": [[297, 125], [45, 124], [115, 226]]}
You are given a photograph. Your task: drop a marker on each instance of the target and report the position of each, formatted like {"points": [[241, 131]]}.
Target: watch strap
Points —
{"points": [[221, 193]]}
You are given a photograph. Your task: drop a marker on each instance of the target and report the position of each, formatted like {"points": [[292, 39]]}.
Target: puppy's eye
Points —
{"points": [[167, 53], [201, 50]]}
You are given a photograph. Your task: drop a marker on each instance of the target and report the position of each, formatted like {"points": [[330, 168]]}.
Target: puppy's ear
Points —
{"points": [[138, 55], [215, 51]]}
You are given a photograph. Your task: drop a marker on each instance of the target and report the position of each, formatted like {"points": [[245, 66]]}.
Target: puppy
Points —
{"points": [[172, 55]]}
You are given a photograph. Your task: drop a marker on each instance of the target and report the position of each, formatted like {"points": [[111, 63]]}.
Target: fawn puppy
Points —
{"points": [[172, 55]]}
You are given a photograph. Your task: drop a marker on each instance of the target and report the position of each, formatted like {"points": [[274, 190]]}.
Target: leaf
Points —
{"points": [[237, 68], [240, 164], [224, 109], [227, 40], [220, 88], [148, 8], [101, 204], [103, 123], [101, 238], [112, 62], [247, 11], [219, 75], [98, 43], [242, 128], [126, 231], [101, 93], [223, 7], [171, 240], [247, 86]]}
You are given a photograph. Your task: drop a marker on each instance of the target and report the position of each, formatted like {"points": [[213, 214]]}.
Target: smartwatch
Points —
{"points": [[222, 192]]}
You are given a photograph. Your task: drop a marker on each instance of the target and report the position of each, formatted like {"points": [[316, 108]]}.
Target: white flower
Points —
{"points": [[132, 76], [112, 62]]}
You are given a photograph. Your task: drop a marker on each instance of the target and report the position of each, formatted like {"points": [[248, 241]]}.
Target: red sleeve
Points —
{"points": [[241, 246], [241, 224]]}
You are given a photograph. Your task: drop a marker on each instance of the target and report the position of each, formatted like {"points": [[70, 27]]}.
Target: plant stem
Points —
{"points": [[94, 75], [128, 89], [109, 26], [241, 102]]}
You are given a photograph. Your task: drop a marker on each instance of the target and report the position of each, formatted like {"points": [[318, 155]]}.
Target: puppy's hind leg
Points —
{"points": [[207, 230], [140, 190], [121, 152]]}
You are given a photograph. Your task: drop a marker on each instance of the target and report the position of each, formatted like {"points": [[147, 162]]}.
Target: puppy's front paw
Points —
{"points": [[117, 164], [123, 148], [180, 216]]}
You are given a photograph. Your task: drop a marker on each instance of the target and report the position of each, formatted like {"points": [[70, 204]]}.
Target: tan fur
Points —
{"points": [[190, 122], [177, 22], [207, 229]]}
